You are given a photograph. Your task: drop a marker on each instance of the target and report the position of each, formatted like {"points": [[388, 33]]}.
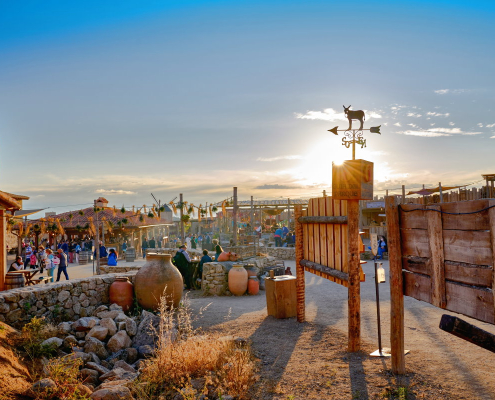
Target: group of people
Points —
{"points": [[283, 237], [44, 259], [182, 260]]}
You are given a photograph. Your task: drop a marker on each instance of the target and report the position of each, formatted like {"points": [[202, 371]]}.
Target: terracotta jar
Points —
{"points": [[251, 270], [157, 278], [238, 280], [122, 292], [227, 256], [253, 285]]}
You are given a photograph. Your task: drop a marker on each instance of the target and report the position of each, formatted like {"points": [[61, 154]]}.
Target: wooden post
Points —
{"points": [[288, 214], [396, 287], [234, 222], [435, 238], [491, 216], [441, 193], [354, 301], [403, 200], [300, 283], [3, 249], [252, 216], [182, 238]]}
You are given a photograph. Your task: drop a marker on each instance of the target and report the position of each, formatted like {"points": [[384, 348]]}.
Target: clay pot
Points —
{"points": [[233, 257], [238, 280], [253, 285], [157, 278], [122, 293], [251, 270], [227, 256]]}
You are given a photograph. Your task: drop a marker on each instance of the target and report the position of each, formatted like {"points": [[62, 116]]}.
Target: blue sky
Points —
{"points": [[126, 98]]}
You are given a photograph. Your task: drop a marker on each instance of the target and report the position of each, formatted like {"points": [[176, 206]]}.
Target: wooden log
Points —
{"points": [[337, 233], [468, 332], [437, 266], [323, 219], [396, 287], [345, 238], [300, 282], [323, 268], [330, 238], [311, 237], [354, 300], [316, 231], [323, 232], [305, 237], [491, 216]]}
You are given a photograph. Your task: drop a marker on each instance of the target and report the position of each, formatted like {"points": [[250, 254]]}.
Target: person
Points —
{"points": [[124, 247], [285, 231], [144, 247], [65, 247], [62, 267], [188, 241], [28, 252], [193, 242], [33, 261], [71, 252], [218, 251], [382, 247], [182, 261], [49, 264], [152, 243], [103, 251], [112, 258], [41, 256], [205, 259], [278, 237], [77, 249], [17, 265]]}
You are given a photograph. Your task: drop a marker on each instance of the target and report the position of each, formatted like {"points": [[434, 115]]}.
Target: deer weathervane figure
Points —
{"points": [[359, 115]]}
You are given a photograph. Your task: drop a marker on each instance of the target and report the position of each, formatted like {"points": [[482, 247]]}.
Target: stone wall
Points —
{"points": [[282, 253], [119, 269], [69, 299]]}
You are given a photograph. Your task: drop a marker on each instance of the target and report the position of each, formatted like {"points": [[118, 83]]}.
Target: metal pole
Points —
{"points": [[234, 210], [353, 144], [181, 221]]}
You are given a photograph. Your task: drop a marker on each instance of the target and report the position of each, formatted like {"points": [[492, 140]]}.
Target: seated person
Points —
{"points": [[205, 259], [17, 265]]}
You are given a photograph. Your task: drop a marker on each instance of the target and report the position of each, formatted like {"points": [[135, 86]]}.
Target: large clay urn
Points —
{"points": [[122, 292], [238, 280], [253, 285], [157, 278]]}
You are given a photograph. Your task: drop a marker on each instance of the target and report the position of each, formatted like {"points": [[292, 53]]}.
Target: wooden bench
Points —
{"points": [[42, 279]]}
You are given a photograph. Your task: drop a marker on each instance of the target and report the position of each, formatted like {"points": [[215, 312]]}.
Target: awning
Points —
{"points": [[426, 192]]}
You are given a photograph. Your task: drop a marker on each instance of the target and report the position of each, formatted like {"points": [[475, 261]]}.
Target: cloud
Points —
{"points": [[480, 125], [276, 186], [492, 137], [435, 114], [113, 191], [451, 123], [415, 115], [413, 125], [292, 157], [490, 126], [329, 114], [437, 132], [397, 124], [446, 91]]}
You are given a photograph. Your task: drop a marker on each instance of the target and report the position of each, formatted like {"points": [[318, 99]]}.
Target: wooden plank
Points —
{"points": [[300, 280], [471, 301], [417, 286], [323, 219], [281, 297], [396, 287], [323, 233], [472, 247], [419, 265], [354, 285], [324, 269], [478, 221], [491, 219], [316, 231], [412, 219], [468, 332], [337, 234], [311, 238], [469, 274], [305, 236], [415, 243], [345, 236], [434, 220], [330, 239]]}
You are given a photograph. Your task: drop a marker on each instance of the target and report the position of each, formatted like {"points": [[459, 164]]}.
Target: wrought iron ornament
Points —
{"points": [[354, 136]]}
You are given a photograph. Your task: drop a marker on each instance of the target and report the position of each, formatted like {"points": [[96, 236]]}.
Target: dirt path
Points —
{"points": [[309, 361]]}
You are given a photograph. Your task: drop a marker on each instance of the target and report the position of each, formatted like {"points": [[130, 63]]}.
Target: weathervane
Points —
{"points": [[354, 136]]}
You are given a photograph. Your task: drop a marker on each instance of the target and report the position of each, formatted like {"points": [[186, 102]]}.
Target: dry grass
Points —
{"points": [[191, 363]]}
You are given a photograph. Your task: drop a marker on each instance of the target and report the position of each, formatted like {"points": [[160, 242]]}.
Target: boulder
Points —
{"points": [[118, 342], [64, 328], [112, 393], [146, 351], [43, 384], [115, 307], [110, 325], [130, 327], [122, 364], [119, 355], [118, 374], [108, 314], [54, 342], [94, 358], [98, 332], [94, 345], [132, 355], [83, 356], [84, 390], [147, 330], [85, 324], [70, 342], [90, 376], [98, 368], [100, 309]]}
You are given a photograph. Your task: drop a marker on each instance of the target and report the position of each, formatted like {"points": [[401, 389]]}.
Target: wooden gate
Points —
{"points": [[442, 254]]}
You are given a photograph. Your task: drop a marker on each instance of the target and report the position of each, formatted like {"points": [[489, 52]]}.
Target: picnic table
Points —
{"points": [[28, 275]]}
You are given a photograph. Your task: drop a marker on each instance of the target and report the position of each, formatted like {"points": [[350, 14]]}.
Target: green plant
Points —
{"points": [[59, 314], [33, 334], [122, 210], [27, 306]]}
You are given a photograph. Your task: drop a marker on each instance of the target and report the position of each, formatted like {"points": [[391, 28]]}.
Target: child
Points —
{"points": [[33, 261]]}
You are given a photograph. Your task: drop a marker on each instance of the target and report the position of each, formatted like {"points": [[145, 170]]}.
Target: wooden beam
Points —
{"points": [[327, 270], [396, 288], [354, 289], [491, 217], [300, 283], [468, 332], [323, 220], [435, 237], [3, 248]]}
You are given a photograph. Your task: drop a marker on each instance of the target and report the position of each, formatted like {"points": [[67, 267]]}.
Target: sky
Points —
{"points": [[122, 98]]}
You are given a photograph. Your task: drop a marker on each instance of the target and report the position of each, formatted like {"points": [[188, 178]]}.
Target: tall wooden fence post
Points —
{"points": [[396, 287], [301, 285], [354, 295]]}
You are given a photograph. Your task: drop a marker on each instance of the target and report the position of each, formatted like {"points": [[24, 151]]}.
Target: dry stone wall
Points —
{"points": [[282, 253], [71, 299]]}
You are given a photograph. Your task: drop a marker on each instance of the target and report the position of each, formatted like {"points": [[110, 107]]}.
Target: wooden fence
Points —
{"points": [[442, 254]]}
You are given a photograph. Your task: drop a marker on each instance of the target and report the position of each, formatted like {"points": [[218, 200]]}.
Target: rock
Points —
{"points": [[121, 317], [121, 325], [115, 307], [94, 345], [94, 358], [198, 384], [112, 393], [118, 374], [54, 342], [64, 328], [90, 376], [80, 335], [83, 356], [108, 314], [98, 368], [100, 309], [70, 342], [130, 327], [138, 364], [43, 384], [84, 390], [146, 351], [63, 295], [106, 364], [132, 355], [146, 332], [122, 364], [118, 342], [110, 325], [98, 332], [85, 324]]}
